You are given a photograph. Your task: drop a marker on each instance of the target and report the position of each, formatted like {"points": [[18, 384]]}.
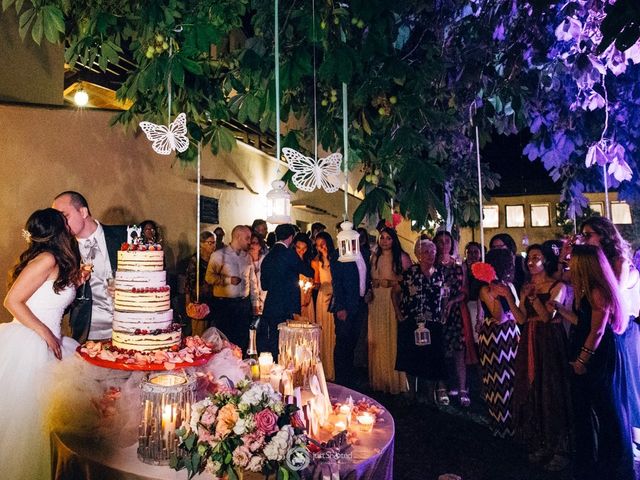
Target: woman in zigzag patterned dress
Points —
{"points": [[498, 342]]}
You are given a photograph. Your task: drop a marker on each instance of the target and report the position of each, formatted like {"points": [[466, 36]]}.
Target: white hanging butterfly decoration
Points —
{"points": [[309, 174], [166, 139]]}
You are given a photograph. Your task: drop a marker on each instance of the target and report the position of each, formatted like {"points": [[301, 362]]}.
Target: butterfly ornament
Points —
{"points": [[309, 173], [166, 139]]}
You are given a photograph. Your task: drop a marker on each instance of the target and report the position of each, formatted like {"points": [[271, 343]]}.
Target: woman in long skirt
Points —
{"points": [[498, 343]]}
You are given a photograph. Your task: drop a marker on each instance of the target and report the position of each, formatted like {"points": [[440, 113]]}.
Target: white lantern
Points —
{"points": [[348, 243], [279, 203]]}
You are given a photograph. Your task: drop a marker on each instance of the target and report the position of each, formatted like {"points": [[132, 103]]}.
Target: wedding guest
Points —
{"points": [[498, 341], [302, 246], [234, 286], [259, 226], [361, 354], [602, 434], [42, 285], [220, 233], [387, 264], [91, 315], [279, 276], [421, 288], [541, 397], [504, 240], [316, 228], [472, 254], [349, 281], [207, 247], [327, 255], [271, 240], [150, 232], [257, 253], [601, 232], [454, 340]]}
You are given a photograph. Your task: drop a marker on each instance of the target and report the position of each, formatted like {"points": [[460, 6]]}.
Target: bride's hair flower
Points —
{"points": [[26, 234]]}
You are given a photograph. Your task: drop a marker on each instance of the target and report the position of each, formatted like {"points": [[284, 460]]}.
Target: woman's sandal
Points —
{"points": [[465, 401], [441, 397]]}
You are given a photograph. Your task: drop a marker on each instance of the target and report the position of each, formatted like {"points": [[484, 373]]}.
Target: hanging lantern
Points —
{"points": [[166, 403], [279, 203], [349, 243], [422, 335]]}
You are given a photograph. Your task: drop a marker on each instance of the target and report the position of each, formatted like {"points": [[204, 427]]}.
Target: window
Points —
{"points": [[596, 207], [620, 213], [490, 216], [209, 210], [515, 216], [540, 215]]}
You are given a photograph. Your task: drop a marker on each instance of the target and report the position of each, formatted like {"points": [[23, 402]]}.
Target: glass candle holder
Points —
{"points": [[265, 360], [366, 421]]}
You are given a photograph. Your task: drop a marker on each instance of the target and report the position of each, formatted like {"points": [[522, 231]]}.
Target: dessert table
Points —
{"points": [[81, 458]]}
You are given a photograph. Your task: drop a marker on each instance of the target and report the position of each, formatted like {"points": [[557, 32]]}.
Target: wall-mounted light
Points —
{"points": [[81, 98]]}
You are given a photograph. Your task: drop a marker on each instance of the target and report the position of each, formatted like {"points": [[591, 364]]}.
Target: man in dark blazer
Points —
{"points": [[91, 314], [350, 283], [280, 272]]}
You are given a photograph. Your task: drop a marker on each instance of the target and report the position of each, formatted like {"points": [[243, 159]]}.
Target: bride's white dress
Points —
{"points": [[25, 362]]}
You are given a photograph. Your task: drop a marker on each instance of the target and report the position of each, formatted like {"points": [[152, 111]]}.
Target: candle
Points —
{"points": [[168, 425], [266, 362], [345, 411], [366, 421]]}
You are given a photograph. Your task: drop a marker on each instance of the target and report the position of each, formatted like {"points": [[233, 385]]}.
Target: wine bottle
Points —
{"points": [[252, 356]]}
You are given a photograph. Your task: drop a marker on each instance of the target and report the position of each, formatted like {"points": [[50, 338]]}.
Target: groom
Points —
{"points": [[91, 315]]}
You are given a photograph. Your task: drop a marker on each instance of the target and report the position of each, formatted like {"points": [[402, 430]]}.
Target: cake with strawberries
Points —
{"points": [[143, 319]]}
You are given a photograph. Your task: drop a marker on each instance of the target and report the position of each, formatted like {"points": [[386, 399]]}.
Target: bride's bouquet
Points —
{"points": [[242, 427]]}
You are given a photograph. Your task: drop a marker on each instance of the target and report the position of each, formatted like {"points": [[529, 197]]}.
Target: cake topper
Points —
{"points": [[134, 234]]}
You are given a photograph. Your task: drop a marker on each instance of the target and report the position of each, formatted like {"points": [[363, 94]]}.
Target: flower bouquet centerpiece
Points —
{"points": [[242, 427]]}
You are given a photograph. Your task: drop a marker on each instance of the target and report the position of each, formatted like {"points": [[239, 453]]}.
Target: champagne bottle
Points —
{"points": [[252, 356]]}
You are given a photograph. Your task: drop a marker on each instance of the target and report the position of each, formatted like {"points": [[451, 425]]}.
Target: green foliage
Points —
{"points": [[408, 96]]}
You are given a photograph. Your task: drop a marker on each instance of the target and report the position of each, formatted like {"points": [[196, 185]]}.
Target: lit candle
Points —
{"points": [[266, 362], [168, 425], [366, 421]]}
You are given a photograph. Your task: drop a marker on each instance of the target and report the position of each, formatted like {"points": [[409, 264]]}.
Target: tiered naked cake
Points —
{"points": [[143, 319]]}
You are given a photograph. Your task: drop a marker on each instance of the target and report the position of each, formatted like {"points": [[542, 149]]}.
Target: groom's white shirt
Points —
{"points": [[102, 307]]}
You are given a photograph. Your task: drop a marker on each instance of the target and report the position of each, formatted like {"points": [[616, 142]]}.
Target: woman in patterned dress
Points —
{"points": [[322, 266], [453, 295], [498, 342], [387, 264], [420, 302], [541, 397]]}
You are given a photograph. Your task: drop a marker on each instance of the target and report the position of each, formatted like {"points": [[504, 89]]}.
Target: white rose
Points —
{"points": [[271, 451]]}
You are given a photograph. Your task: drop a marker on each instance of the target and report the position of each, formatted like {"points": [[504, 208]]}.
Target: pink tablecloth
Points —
{"points": [[77, 458]]}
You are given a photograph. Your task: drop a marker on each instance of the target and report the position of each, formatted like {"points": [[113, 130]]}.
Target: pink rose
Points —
{"points": [[266, 421], [209, 416]]}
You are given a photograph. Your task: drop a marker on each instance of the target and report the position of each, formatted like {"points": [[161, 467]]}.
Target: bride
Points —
{"points": [[42, 285]]}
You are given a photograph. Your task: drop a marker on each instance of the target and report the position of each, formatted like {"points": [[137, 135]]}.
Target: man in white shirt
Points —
{"points": [[234, 287], [91, 315]]}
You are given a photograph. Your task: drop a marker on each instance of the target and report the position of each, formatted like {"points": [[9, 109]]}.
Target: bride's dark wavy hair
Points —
{"points": [[48, 232]]}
